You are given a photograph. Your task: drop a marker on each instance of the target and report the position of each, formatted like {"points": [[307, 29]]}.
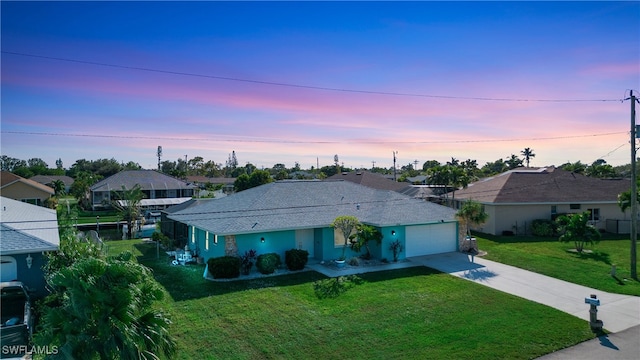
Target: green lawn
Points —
{"points": [[409, 313], [551, 257]]}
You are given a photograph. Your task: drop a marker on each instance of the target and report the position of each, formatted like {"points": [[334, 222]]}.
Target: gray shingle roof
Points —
{"points": [[27, 228], [286, 205], [147, 179], [546, 185]]}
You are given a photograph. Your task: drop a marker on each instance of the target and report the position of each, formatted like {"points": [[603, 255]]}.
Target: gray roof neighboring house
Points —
{"points": [[49, 179], [27, 228], [543, 185], [287, 205], [147, 179], [372, 180]]}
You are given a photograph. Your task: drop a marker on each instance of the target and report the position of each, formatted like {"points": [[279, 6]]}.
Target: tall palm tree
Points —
{"points": [[528, 154], [129, 206]]}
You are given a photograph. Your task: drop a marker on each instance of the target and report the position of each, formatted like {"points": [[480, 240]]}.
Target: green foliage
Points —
{"points": [[364, 234], [224, 267], [296, 259], [257, 178], [346, 224], [246, 261], [268, 263], [396, 247], [543, 227], [128, 204], [104, 309], [162, 238], [472, 213], [333, 287], [576, 228]]}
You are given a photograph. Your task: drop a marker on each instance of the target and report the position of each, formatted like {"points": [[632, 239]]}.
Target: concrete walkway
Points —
{"points": [[624, 345]]}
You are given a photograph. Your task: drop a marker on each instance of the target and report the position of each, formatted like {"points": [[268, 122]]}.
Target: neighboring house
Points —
{"points": [[289, 214], [178, 232], [27, 233], [201, 181], [381, 182], [50, 179], [160, 190], [18, 188], [517, 197]]}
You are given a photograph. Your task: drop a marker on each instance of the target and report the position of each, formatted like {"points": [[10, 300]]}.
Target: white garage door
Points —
{"points": [[430, 239]]}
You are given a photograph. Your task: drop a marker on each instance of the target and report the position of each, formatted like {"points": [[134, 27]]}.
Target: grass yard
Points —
{"points": [[408, 313], [551, 257]]}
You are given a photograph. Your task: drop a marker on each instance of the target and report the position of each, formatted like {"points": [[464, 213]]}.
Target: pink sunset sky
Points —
{"points": [[300, 82]]}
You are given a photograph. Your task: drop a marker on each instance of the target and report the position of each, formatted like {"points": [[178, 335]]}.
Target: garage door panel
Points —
{"points": [[430, 239]]}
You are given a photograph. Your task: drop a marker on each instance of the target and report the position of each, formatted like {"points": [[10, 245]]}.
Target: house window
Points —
{"points": [[206, 241], [193, 234], [215, 239], [594, 214], [574, 206], [338, 238], [554, 209]]}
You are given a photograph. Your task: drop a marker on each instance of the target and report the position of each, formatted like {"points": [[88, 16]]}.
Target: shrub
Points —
{"points": [[162, 238], [296, 259], [247, 261], [224, 267], [354, 261], [268, 263], [543, 227]]}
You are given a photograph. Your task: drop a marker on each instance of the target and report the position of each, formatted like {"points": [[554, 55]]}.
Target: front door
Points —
{"points": [[304, 240]]}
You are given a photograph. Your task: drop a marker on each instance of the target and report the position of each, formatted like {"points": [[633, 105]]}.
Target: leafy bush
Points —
{"points": [[224, 267], [247, 261], [543, 227], [268, 263], [333, 287], [396, 247], [162, 238], [296, 259]]}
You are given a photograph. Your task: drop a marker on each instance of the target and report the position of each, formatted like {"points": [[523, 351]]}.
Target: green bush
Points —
{"points": [[268, 263], [224, 267], [543, 227], [296, 259]]}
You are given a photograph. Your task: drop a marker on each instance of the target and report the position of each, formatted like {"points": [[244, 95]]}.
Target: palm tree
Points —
{"points": [[129, 206], [58, 187], [472, 213], [528, 154]]}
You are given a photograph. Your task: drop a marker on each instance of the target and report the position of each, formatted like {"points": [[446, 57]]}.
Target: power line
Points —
{"points": [[300, 86], [286, 141]]}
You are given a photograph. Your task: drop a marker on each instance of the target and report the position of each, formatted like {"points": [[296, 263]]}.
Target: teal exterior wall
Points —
{"points": [[32, 277], [274, 242], [388, 238]]}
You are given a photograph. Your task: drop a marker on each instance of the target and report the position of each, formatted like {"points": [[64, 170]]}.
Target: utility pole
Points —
{"points": [[634, 187], [394, 166], [159, 153], [373, 164]]}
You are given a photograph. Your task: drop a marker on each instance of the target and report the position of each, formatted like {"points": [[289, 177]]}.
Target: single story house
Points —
{"points": [[27, 233], [289, 214], [161, 191], [178, 232], [381, 182], [50, 179], [18, 188], [515, 198]]}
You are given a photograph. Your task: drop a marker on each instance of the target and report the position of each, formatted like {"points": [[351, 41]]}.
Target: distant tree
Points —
{"points": [[513, 162], [38, 166], [576, 228], [282, 174], [600, 169], [430, 164], [453, 162], [242, 183], [80, 189], [250, 168], [131, 166], [257, 178], [128, 204], [492, 168], [527, 154], [211, 169], [196, 166], [10, 164], [58, 187], [577, 167]]}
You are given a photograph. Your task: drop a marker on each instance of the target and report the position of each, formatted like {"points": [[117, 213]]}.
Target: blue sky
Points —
{"points": [[297, 81]]}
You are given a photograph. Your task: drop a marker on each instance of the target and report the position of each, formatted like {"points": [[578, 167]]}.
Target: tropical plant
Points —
{"points": [[296, 259], [346, 224], [268, 263], [576, 228], [363, 235], [58, 187], [246, 261], [396, 247], [472, 213], [527, 153], [129, 205], [224, 267], [104, 309]]}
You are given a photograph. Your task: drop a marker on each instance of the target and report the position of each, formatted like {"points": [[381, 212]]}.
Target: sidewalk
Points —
{"points": [[618, 312], [624, 345]]}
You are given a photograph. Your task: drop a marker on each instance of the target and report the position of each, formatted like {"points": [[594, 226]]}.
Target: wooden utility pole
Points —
{"points": [[634, 188], [394, 166]]}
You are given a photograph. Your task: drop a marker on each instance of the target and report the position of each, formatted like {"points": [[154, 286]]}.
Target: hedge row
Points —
{"points": [[227, 267]]}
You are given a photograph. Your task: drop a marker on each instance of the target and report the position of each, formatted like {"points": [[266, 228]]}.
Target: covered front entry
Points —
{"points": [[430, 239], [304, 240]]}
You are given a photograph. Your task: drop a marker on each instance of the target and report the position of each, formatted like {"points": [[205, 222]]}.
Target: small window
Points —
{"points": [[215, 239], [594, 214], [193, 234], [206, 241], [338, 238], [554, 209], [574, 206]]}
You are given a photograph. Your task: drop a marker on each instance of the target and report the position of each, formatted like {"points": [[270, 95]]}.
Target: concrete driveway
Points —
{"points": [[618, 312]]}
